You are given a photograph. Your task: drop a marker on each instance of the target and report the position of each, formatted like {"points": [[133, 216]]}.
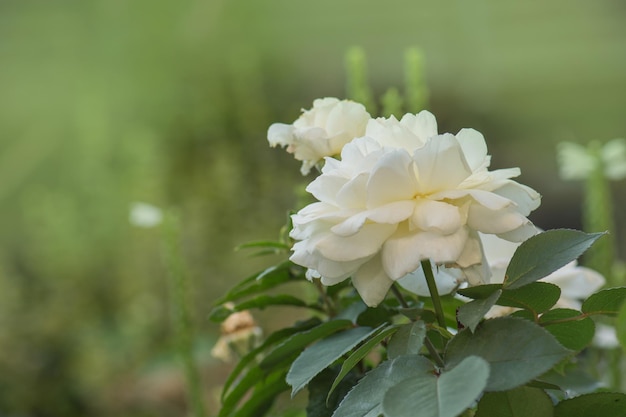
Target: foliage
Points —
{"points": [[402, 367]]}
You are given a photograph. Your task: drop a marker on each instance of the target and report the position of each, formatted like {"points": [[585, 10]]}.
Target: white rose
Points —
{"points": [[387, 205], [321, 131]]}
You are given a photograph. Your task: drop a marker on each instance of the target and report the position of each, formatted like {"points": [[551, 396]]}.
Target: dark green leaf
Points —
{"points": [[601, 404], [321, 355], [480, 292], [320, 404], [543, 385], [517, 350], [408, 340], [523, 314], [607, 302], [544, 253], [365, 399], [473, 312], [519, 402], [360, 353], [221, 313], [448, 395], [271, 340], [253, 378], [375, 316], [263, 396], [536, 297], [620, 326], [352, 312], [574, 335], [263, 281], [284, 352], [572, 378], [412, 313]]}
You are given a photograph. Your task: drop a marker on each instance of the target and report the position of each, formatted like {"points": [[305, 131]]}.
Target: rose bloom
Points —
{"points": [[321, 131], [576, 282], [402, 194]]}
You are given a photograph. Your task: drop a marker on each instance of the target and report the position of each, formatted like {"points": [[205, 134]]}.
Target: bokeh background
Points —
{"points": [[107, 102]]}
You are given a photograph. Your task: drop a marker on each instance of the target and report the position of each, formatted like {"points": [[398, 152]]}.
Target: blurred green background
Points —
{"points": [[107, 102]]}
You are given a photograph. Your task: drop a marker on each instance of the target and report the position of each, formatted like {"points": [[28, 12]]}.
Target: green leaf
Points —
{"points": [[263, 396], [620, 326], [264, 244], [352, 312], [544, 253], [321, 405], [543, 385], [536, 297], [254, 378], [473, 312], [221, 313], [375, 316], [574, 335], [601, 404], [408, 340], [365, 399], [359, 354], [519, 402], [284, 352], [445, 396], [517, 350], [263, 281], [321, 355], [412, 313], [479, 292], [607, 302], [271, 340]]}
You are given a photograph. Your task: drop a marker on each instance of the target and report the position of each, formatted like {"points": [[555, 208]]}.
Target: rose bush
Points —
{"points": [[321, 131], [402, 194]]}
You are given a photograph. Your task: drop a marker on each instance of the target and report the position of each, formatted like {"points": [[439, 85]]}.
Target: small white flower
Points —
{"points": [[145, 215], [403, 194], [576, 162], [321, 131], [605, 337]]}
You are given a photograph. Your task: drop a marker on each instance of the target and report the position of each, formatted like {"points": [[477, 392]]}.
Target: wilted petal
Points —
{"points": [[280, 134]]}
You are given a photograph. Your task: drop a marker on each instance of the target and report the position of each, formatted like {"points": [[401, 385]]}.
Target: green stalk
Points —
{"points": [[598, 217], [181, 317], [434, 294], [415, 81], [358, 86]]}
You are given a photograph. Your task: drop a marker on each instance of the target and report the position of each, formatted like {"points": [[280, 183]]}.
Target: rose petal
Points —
{"points": [[371, 282]]}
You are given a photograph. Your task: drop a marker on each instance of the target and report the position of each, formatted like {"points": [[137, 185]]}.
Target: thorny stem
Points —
{"points": [[396, 292], [434, 294]]}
